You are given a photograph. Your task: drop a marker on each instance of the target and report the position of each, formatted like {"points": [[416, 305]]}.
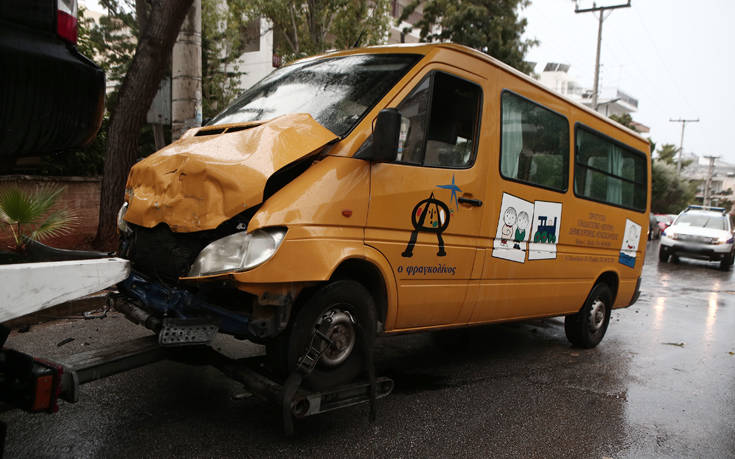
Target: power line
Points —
{"points": [[671, 75], [601, 9]]}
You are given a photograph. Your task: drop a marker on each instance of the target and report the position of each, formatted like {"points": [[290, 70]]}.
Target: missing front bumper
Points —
{"points": [[192, 310]]}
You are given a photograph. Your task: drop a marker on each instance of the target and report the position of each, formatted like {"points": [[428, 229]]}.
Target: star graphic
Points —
{"points": [[454, 189]]}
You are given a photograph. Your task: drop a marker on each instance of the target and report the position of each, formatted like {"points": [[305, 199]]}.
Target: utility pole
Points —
{"points": [[601, 9], [681, 142], [186, 74], [708, 183]]}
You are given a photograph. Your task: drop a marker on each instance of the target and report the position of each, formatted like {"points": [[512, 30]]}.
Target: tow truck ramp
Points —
{"points": [[36, 385]]}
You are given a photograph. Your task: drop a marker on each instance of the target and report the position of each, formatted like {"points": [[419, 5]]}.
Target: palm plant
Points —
{"points": [[28, 214]]}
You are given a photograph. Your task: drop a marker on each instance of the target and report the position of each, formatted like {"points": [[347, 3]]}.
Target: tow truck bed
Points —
{"points": [[35, 385]]}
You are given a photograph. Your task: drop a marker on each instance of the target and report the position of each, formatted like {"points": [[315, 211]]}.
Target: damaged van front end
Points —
{"points": [[236, 223], [186, 216]]}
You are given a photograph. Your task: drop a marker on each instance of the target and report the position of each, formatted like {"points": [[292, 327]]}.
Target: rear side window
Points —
{"points": [[609, 172], [534, 146]]}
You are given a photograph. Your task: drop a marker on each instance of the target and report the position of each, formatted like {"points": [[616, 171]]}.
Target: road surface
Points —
{"points": [[661, 384]]}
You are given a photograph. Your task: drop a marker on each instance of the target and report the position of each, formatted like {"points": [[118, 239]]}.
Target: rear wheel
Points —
{"points": [[341, 310], [586, 328]]}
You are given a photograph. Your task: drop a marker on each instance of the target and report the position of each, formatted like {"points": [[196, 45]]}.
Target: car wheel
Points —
{"points": [[663, 255], [339, 310], [726, 262], [586, 328]]}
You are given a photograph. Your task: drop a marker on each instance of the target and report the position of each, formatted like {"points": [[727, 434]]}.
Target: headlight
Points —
{"points": [[725, 239], [122, 225], [238, 252]]}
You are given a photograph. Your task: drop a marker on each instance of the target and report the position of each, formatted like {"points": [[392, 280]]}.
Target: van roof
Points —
{"points": [[426, 48]]}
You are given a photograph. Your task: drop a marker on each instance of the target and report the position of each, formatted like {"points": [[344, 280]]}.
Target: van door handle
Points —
{"points": [[472, 202]]}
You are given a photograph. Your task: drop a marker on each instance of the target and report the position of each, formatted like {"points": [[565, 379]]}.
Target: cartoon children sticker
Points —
{"points": [[520, 234], [513, 230], [631, 238], [509, 220]]}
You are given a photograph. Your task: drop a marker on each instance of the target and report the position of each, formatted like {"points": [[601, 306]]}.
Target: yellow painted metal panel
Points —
{"points": [[198, 182]]}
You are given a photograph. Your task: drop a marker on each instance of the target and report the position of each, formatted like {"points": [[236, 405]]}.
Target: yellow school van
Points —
{"points": [[385, 190]]}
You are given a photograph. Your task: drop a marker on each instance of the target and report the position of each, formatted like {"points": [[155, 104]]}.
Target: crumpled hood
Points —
{"points": [[200, 181]]}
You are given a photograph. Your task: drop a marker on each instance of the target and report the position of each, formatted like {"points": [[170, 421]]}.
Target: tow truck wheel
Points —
{"points": [[341, 311], [586, 328]]}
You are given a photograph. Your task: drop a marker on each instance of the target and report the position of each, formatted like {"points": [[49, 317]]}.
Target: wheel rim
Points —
{"points": [[341, 331], [597, 315]]}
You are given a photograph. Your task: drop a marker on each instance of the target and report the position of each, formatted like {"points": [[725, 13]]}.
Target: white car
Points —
{"points": [[699, 232]]}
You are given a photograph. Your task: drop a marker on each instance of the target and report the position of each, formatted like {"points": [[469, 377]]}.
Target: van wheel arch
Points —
{"points": [[370, 277], [611, 279], [279, 354]]}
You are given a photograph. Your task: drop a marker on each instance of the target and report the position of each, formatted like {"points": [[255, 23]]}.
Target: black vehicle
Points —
{"points": [[51, 96]]}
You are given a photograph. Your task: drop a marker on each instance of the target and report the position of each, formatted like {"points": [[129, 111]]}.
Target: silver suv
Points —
{"points": [[699, 232]]}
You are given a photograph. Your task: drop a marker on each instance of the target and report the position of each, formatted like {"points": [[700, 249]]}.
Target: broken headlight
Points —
{"points": [[237, 252]]}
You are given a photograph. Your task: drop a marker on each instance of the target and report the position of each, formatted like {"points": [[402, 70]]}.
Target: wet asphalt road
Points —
{"points": [[661, 384]]}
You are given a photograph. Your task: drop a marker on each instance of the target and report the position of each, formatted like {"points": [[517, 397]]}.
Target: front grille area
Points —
{"points": [[163, 255], [695, 238]]}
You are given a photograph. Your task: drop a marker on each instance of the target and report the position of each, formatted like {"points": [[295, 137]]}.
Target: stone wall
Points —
{"points": [[81, 195]]}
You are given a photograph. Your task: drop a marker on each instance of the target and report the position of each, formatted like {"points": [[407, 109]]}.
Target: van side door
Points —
{"points": [[426, 212]]}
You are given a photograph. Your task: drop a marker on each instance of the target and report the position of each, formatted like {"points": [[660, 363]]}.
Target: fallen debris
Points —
{"points": [[64, 341]]}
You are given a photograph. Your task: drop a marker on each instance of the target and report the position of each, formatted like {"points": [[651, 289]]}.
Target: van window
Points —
{"points": [[607, 171], [534, 143], [337, 92], [439, 122]]}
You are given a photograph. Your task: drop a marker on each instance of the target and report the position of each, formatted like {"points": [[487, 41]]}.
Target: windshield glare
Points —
{"points": [[337, 92], [703, 221]]}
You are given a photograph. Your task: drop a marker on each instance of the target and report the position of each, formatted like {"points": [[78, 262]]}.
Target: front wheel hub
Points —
{"points": [[340, 329]]}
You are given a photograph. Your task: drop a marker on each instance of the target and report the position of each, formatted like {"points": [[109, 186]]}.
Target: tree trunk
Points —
{"points": [[137, 91]]}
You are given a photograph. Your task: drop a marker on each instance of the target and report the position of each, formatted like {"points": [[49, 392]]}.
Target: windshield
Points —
{"points": [[337, 92], [703, 221]]}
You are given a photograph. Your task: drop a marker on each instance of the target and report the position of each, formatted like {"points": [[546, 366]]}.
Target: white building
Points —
{"points": [[722, 185], [611, 100]]}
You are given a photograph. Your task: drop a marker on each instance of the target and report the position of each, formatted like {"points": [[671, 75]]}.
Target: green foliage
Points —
{"points": [[28, 214], [314, 26], [670, 193], [625, 119], [112, 42], [669, 154], [225, 35], [491, 26], [361, 23]]}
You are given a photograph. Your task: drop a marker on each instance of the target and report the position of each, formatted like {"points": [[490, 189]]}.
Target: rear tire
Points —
{"points": [[347, 305], [586, 328]]}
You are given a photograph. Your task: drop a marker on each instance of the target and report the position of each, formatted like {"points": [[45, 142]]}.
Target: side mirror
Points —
{"points": [[384, 147]]}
